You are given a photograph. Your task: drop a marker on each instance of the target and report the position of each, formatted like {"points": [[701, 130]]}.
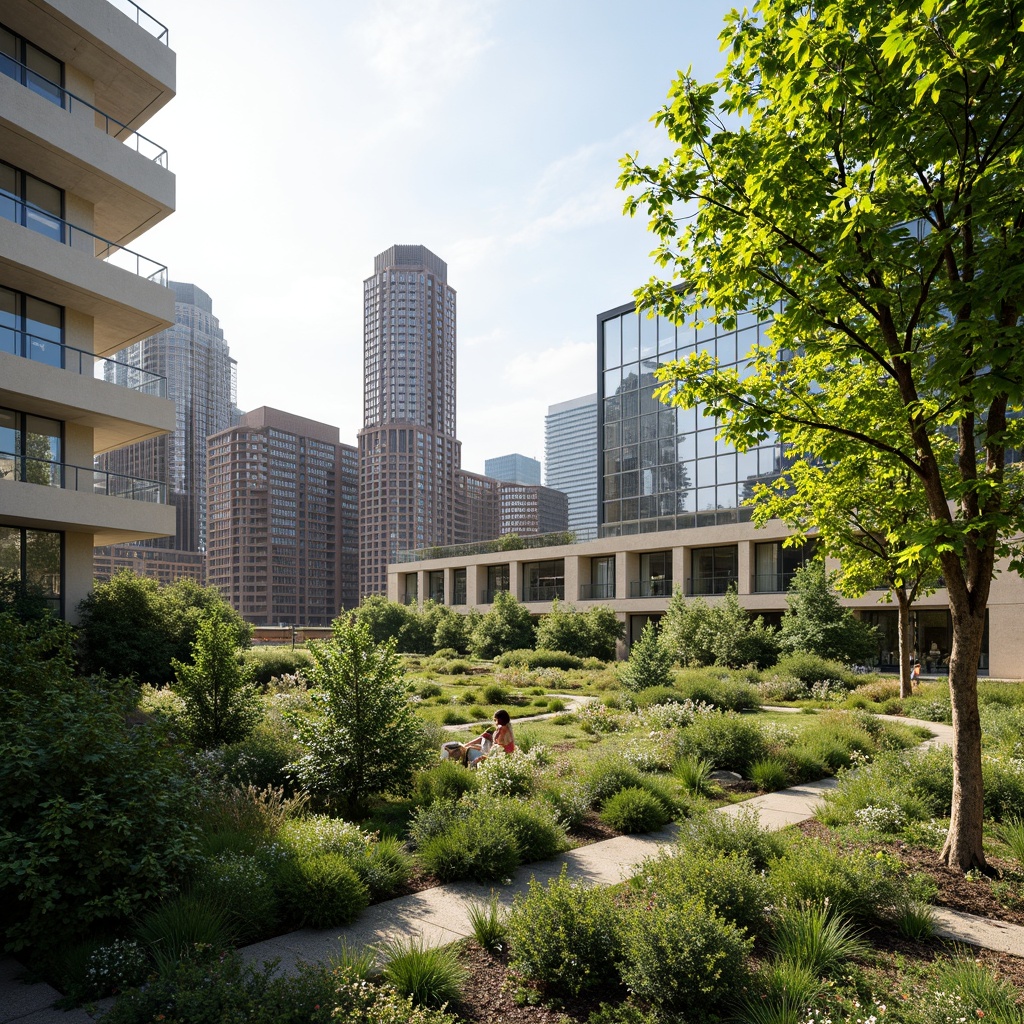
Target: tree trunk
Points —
{"points": [[905, 641], [963, 848]]}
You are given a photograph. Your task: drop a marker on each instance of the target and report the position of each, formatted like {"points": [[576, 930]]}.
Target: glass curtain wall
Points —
{"points": [[661, 468]]}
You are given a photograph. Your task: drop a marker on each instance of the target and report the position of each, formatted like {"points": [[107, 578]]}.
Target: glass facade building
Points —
{"points": [[513, 469], [661, 467], [571, 460]]}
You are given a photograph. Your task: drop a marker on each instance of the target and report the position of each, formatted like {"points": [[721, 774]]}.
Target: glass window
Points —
{"points": [[667, 336], [648, 335], [630, 338], [32, 67], [612, 343]]}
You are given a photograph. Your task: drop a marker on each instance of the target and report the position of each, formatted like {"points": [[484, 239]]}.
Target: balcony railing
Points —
{"points": [[49, 473], [459, 596], [650, 588], [490, 592], [61, 97], [35, 218], [545, 593], [701, 585], [76, 360], [597, 591], [145, 20]]}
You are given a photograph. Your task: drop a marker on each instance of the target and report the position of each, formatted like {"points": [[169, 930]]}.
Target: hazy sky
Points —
{"points": [[308, 137]]}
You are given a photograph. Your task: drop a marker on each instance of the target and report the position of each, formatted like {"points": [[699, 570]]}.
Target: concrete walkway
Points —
{"points": [[441, 915]]}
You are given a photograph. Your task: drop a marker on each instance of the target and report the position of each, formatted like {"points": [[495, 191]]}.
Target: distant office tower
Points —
{"points": [[408, 453], [529, 509], [513, 469], [194, 358], [282, 497], [570, 455]]}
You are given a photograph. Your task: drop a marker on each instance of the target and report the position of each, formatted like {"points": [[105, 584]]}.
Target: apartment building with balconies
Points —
{"points": [[79, 184]]}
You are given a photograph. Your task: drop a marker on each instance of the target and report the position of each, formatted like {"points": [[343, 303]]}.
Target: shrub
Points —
{"points": [[508, 626], [593, 633], [605, 777], [428, 690], [681, 955], [726, 882], [267, 663], [1004, 788], [241, 886], [131, 625], [508, 774], [563, 935], [726, 740], [855, 883], [254, 815], [530, 659], [360, 697], [261, 759], [321, 891], [174, 928], [319, 833], [695, 775], [976, 992], [430, 977], [570, 801], [650, 662], [808, 669], [447, 780], [818, 624], [769, 774], [459, 668], [220, 703], [741, 834], [115, 967], [453, 717], [495, 693], [383, 867], [209, 987], [97, 817], [475, 849], [717, 691], [634, 810]]}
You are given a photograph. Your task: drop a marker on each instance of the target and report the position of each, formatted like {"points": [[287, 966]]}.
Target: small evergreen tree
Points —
{"points": [[453, 630], [736, 639], [650, 663], [606, 629], [221, 703], [508, 626], [817, 623], [687, 630], [362, 738]]}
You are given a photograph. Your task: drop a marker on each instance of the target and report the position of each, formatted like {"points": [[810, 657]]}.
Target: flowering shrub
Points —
{"points": [[651, 755], [240, 884], [598, 718], [887, 818], [320, 833], [854, 1013], [828, 690], [120, 965], [508, 774], [672, 715]]}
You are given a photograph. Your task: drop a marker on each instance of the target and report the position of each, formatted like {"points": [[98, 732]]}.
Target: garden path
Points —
{"points": [[441, 915]]}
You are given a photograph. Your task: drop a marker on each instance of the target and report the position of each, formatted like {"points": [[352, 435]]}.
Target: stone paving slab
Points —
{"points": [[31, 1004], [979, 931]]}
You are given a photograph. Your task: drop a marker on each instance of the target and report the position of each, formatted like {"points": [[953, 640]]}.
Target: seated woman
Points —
{"points": [[503, 738], [472, 751]]}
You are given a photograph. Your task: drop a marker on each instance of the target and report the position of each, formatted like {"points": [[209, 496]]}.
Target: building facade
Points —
{"points": [[672, 517], [194, 359], [408, 452], [513, 469], [529, 509], [282, 493], [78, 185], [570, 458]]}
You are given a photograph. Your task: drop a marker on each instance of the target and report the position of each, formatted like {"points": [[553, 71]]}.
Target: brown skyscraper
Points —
{"points": [[281, 513], [408, 453]]}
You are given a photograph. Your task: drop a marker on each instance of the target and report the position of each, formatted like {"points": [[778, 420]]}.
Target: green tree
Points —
{"points": [[688, 630], [221, 704], [818, 624], [131, 625], [454, 630], [650, 662], [606, 629], [362, 737], [564, 629], [389, 620], [858, 169], [508, 626], [869, 509]]}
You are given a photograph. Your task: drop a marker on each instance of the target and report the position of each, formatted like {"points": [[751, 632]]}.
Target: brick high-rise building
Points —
{"points": [[408, 452], [281, 512], [529, 509], [80, 184]]}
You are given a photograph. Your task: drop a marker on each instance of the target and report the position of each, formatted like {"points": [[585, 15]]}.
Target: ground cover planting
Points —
{"points": [[271, 831]]}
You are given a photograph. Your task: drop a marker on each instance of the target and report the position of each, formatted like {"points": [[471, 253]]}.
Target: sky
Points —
{"points": [[308, 137]]}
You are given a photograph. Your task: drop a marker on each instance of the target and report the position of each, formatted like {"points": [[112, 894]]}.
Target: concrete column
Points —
{"points": [[572, 578], [745, 567]]}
